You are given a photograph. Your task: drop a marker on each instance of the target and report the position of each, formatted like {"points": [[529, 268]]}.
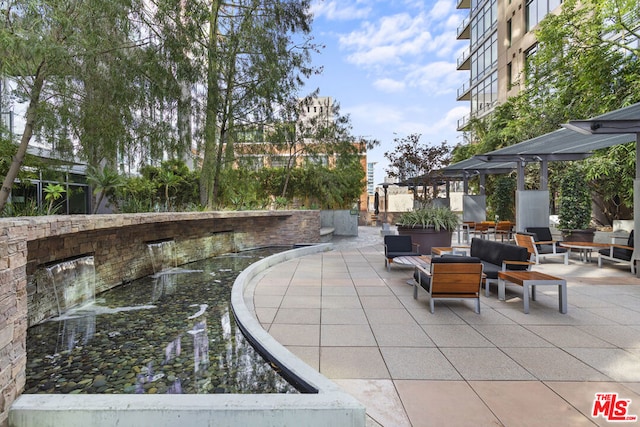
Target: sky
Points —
{"points": [[391, 66]]}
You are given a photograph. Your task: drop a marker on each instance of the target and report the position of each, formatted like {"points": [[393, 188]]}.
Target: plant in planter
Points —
{"points": [[429, 226], [574, 216]]}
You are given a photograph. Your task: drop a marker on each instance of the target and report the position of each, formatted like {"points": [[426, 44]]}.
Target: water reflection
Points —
{"points": [[170, 333]]}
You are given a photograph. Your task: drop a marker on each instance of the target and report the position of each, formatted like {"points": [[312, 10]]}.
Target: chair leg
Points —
{"points": [[478, 304], [431, 305]]}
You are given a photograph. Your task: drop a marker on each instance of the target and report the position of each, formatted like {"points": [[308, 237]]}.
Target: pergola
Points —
{"points": [[576, 140]]}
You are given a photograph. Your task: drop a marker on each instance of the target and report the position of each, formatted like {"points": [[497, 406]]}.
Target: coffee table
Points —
{"points": [[584, 248], [421, 261], [529, 280]]}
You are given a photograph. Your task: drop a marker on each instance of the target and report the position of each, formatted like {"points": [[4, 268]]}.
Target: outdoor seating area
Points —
{"points": [[399, 246], [360, 326]]}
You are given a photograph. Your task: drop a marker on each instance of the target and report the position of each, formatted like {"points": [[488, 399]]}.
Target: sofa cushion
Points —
{"points": [[619, 253], [492, 254], [542, 234], [548, 249]]}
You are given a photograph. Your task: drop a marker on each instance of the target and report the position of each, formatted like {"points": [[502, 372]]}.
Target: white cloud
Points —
{"points": [[442, 9], [436, 78], [337, 11], [389, 85]]}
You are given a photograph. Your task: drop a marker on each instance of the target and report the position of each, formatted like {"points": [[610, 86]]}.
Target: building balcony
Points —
{"points": [[463, 4], [464, 30], [464, 61], [464, 122], [464, 93]]}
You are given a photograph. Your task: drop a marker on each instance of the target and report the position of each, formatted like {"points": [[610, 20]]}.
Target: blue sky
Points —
{"points": [[391, 65]]}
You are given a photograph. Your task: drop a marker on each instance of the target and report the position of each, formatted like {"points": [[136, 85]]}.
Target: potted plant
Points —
{"points": [[574, 215], [429, 226]]}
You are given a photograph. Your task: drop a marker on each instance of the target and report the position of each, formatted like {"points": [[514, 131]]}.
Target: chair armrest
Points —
{"points": [[506, 263], [622, 247], [421, 268], [546, 242]]}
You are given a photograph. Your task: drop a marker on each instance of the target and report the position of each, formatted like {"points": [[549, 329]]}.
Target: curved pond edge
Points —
{"points": [[325, 405]]}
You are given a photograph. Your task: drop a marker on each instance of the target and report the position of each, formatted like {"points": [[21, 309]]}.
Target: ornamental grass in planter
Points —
{"points": [[429, 226]]}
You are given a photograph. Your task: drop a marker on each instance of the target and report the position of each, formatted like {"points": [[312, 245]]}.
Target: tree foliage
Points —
{"points": [[414, 162]]}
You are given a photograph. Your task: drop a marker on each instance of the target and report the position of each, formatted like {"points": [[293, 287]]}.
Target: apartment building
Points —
{"points": [[500, 40]]}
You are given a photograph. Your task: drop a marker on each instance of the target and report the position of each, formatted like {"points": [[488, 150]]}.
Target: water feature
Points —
{"points": [[172, 332], [72, 282], [163, 255]]}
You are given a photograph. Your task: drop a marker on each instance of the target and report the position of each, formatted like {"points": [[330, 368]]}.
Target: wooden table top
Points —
{"points": [[519, 276]]}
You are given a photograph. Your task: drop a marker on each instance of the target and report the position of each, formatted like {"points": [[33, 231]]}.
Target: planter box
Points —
{"points": [[578, 235], [427, 237]]}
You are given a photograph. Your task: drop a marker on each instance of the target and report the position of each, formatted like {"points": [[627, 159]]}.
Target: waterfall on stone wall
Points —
{"points": [[163, 255], [73, 282]]}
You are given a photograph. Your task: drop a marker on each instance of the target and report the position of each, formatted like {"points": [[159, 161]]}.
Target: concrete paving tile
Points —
{"points": [[380, 398], [444, 316], [300, 301], [456, 336], [443, 403], [336, 291], [368, 281], [621, 315], [343, 316], [300, 316], [616, 363], [618, 335], [309, 355], [388, 316], [567, 336], [352, 363], [581, 395], [343, 281], [270, 290], [373, 291], [401, 335], [308, 335], [414, 363], [265, 315], [511, 335], [635, 387], [271, 301], [485, 364], [553, 364], [311, 291], [528, 403], [488, 316], [380, 302], [346, 336], [340, 302]]}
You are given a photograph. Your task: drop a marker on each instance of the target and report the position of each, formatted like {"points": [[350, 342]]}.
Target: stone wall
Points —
{"points": [[118, 244]]}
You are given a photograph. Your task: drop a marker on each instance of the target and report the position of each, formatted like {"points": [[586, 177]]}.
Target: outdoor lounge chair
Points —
{"points": [[538, 246], [619, 253], [397, 246], [450, 278]]}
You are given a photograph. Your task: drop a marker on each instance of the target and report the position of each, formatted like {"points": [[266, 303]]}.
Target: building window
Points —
{"points": [[509, 76], [509, 33], [536, 10]]}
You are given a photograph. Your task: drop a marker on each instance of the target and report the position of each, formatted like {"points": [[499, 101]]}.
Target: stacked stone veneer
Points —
{"points": [[118, 244]]}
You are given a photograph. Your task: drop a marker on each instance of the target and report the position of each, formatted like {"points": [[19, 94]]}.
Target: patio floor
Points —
{"points": [[345, 315]]}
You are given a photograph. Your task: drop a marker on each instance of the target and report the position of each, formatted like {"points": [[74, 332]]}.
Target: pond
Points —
{"points": [[173, 332]]}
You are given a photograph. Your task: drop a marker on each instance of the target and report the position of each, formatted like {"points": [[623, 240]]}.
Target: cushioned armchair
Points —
{"points": [[545, 245], [450, 278], [397, 246], [619, 253], [537, 249]]}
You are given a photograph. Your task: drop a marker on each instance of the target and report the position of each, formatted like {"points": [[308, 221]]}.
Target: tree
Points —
{"points": [[46, 46], [417, 163], [252, 64]]}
